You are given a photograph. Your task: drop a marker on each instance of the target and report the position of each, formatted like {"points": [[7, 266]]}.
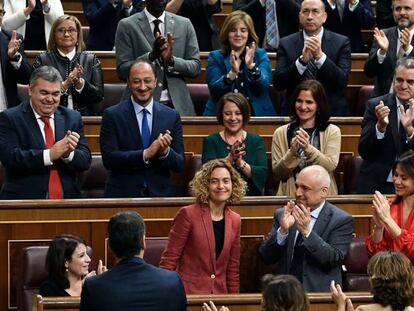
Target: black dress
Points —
{"points": [[49, 288]]}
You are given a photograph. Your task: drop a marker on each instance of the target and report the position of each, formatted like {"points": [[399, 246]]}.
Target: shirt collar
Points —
{"points": [[138, 108], [151, 17], [70, 55], [319, 35], [38, 116], [315, 213]]}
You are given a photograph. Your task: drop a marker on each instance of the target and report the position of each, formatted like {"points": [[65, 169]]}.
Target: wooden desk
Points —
{"points": [[241, 302], [35, 222], [196, 128]]}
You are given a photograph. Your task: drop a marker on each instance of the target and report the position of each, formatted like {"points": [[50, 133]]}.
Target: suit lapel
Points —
{"points": [[143, 23], [31, 122], [3, 52], [132, 123], [169, 23], [323, 219], [208, 228], [228, 225], [393, 45], [59, 126]]}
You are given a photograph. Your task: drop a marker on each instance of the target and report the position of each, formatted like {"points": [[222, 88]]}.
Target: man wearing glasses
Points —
{"points": [[387, 131], [14, 66]]}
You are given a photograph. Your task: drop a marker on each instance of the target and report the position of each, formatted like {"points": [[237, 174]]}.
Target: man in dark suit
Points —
{"points": [[170, 43], [132, 284], [348, 18], [286, 13], [310, 237], [314, 53], [103, 17], [42, 145], [141, 140], [14, 66], [387, 131], [389, 45]]}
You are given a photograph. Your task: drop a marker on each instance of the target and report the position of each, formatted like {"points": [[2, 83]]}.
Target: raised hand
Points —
{"points": [[314, 45], [212, 307], [287, 220], [341, 300], [382, 40], [166, 53], [235, 61], [405, 38], [249, 58], [382, 112], [407, 117], [302, 217], [382, 208], [158, 47], [14, 45], [302, 138]]}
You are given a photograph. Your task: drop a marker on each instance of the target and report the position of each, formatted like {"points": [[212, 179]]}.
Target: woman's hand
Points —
{"points": [[294, 145], [303, 138], [249, 58], [212, 307], [381, 206], [341, 300], [74, 77], [235, 62], [101, 268], [237, 151]]}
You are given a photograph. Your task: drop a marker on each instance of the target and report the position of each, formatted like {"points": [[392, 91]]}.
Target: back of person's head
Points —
{"points": [[283, 293], [126, 232], [392, 280], [61, 250]]}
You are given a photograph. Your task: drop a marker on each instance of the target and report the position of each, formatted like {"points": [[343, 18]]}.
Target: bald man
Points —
{"points": [[310, 237]]}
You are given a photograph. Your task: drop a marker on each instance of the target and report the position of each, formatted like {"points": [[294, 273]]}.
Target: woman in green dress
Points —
{"points": [[245, 151]]}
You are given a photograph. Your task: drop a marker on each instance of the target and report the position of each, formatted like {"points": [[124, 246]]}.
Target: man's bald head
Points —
{"points": [[312, 186]]}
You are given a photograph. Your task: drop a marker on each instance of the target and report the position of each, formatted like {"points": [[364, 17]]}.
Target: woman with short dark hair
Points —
{"points": [[245, 151], [307, 140]]}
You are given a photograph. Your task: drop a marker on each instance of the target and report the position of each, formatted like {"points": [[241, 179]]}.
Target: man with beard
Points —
{"points": [[389, 45], [310, 237], [170, 43]]}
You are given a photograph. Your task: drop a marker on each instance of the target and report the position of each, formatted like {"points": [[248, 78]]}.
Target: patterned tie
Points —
{"points": [[55, 185], [272, 31], [145, 131], [340, 4], [157, 27], [311, 70]]}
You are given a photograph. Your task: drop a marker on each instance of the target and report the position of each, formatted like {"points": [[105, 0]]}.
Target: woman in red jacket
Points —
{"points": [[204, 241], [394, 219]]}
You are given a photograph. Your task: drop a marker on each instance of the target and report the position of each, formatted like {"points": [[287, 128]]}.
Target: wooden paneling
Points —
{"points": [[196, 128]]}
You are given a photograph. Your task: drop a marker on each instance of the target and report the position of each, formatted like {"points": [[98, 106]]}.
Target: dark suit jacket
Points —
{"points": [[134, 285], [333, 74], [21, 153], [379, 155], [384, 14], [352, 22], [326, 247], [287, 12], [384, 73], [122, 152], [191, 251], [103, 19], [10, 75]]}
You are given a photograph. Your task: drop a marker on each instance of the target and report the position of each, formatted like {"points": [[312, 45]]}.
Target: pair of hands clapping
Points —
{"points": [[295, 214], [235, 59], [159, 146], [301, 140], [406, 117], [162, 48]]}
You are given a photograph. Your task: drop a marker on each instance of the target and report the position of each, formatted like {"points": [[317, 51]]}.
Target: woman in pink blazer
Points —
{"points": [[204, 241]]}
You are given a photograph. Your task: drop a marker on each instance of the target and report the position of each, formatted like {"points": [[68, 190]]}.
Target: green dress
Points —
{"points": [[214, 147]]}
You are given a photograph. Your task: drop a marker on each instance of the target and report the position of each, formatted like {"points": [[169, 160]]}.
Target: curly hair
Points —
{"points": [[392, 279], [200, 183], [283, 293]]}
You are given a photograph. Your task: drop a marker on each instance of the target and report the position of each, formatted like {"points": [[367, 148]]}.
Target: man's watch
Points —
{"points": [[301, 61]]}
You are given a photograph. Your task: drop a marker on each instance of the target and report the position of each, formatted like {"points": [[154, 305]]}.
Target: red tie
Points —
{"points": [[55, 186]]}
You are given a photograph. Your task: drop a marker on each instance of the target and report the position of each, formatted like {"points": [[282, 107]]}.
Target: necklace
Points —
{"points": [[241, 139]]}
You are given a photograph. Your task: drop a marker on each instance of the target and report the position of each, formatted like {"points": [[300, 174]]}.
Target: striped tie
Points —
{"points": [[311, 70], [272, 31]]}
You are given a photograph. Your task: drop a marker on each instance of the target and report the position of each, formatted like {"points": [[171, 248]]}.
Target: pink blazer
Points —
{"points": [[191, 251]]}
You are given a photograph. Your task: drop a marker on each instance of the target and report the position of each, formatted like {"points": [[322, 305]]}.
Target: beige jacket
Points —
{"points": [[284, 162], [378, 307]]}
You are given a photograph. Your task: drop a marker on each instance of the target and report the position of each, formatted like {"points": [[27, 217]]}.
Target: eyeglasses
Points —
{"points": [[63, 31]]}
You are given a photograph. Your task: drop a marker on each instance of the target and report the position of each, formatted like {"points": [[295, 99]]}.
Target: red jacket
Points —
{"points": [[191, 251]]}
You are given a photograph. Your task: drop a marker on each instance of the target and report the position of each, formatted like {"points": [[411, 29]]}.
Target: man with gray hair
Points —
{"points": [[42, 145], [310, 237], [387, 131]]}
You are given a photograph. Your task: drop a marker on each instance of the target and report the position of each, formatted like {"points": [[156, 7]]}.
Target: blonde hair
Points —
{"points": [[231, 21], [201, 181], [51, 45]]}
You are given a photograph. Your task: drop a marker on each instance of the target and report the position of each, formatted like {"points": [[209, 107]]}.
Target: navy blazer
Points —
{"points": [[352, 22], [103, 19], [134, 285], [122, 152], [218, 67], [21, 153], [384, 73], [325, 248], [333, 74], [379, 154], [10, 75]]}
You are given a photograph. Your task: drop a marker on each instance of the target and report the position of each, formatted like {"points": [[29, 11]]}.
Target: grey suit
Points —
{"points": [[134, 40], [384, 73], [326, 247]]}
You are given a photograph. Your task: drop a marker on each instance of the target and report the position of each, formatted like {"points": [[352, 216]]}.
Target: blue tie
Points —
{"points": [[145, 131], [272, 31]]}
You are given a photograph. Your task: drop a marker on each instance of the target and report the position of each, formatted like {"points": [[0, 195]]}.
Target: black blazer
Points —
{"points": [[10, 75], [287, 13], [384, 73], [134, 285], [122, 152], [333, 74], [21, 153], [326, 247], [379, 155]]}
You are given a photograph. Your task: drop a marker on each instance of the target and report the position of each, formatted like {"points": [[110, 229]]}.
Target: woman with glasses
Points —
{"points": [[82, 87], [33, 19]]}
